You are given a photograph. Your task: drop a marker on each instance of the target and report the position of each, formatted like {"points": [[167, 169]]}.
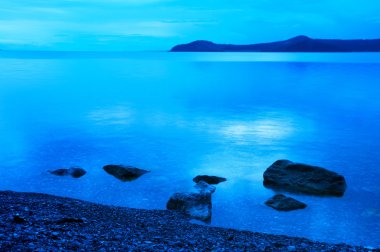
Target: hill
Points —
{"points": [[296, 44]]}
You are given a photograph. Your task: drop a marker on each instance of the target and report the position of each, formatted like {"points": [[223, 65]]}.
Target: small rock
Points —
{"points": [[230, 237], [18, 220], [75, 172], [204, 187], [60, 172], [282, 203], [70, 220], [196, 205], [212, 180], [124, 173]]}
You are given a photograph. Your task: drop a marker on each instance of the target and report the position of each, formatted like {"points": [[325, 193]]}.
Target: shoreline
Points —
{"points": [[42, 222]]}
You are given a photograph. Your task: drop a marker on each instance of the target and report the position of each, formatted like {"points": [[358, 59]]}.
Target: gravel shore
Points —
{"points": [[40, 222]]}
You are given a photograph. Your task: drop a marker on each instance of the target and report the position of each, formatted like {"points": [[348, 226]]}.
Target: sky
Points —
{"points": [[130, 25]]}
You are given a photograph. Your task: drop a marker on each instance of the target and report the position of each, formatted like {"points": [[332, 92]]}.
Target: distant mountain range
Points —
{"points": [[296, 44]]}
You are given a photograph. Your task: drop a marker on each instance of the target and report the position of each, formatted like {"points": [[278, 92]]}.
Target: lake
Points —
{"points": [[184, 114]]}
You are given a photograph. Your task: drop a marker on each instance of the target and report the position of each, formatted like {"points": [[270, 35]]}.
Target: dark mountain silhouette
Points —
{"points": [[296, 44]]}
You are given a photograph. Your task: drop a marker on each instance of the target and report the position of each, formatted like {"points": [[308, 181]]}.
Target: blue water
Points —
{"points": [[180, 115]]}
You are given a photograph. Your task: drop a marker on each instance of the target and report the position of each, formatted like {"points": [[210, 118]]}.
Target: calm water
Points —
{"points": [[180, 115]]}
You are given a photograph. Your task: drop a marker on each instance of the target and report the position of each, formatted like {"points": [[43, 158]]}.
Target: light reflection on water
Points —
{"points": [[180, 117], [262, 131], [114, 116]]}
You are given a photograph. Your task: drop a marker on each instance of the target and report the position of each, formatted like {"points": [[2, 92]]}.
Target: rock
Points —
{"points": [[70, 220], [196, 205], [301, 178], [282, 203], [18, 220], [212, 180], [124, 173], [203, 187], [60, 172], [75, 172]]}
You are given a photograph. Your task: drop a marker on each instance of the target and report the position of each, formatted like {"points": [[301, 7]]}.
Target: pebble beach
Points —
{"points": [[41, 222]]}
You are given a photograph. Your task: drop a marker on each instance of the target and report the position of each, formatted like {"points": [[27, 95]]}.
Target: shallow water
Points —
{"points": [[180, 115]]}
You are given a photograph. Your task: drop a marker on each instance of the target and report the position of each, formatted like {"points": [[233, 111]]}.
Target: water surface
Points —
{"points": [[180, 115]]}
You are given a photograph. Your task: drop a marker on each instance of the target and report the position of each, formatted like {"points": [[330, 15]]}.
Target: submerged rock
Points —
{"points": [[283, 203], [196, 205], [212, 180], [75, 172], [301, 178], [204, 187], [124, 173]]}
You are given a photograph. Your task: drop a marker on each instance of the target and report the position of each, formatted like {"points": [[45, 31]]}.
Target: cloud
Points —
{"points": [[79, 23], [122, 2], [145, 28], [32, 32], [42, 32]]}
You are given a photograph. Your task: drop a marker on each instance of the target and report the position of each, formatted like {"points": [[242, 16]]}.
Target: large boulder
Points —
{"points": [[212, 180], [281, 202], [301, 178], [75, 172], [196, 205], [124, 173]]}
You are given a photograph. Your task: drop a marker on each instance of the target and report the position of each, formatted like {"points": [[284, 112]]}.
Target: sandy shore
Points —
{"points": [[40, 222]]}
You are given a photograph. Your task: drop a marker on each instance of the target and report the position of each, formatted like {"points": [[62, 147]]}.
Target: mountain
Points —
{"points": [[296, 44]]}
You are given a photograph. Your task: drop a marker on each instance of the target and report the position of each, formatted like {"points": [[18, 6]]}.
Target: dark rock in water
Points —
{"points": [[196, 205], [212, 180], [282, 203], [204, 187], [75, 172], [124, 173], [301, 178], [60, 172]]}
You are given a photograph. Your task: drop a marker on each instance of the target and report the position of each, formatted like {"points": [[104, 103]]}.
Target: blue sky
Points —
{"points": [[160, 24]]}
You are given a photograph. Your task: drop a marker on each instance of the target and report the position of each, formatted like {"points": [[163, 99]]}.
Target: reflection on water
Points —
{"points": [[181, 115], [262, 131], [114, 116]]}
